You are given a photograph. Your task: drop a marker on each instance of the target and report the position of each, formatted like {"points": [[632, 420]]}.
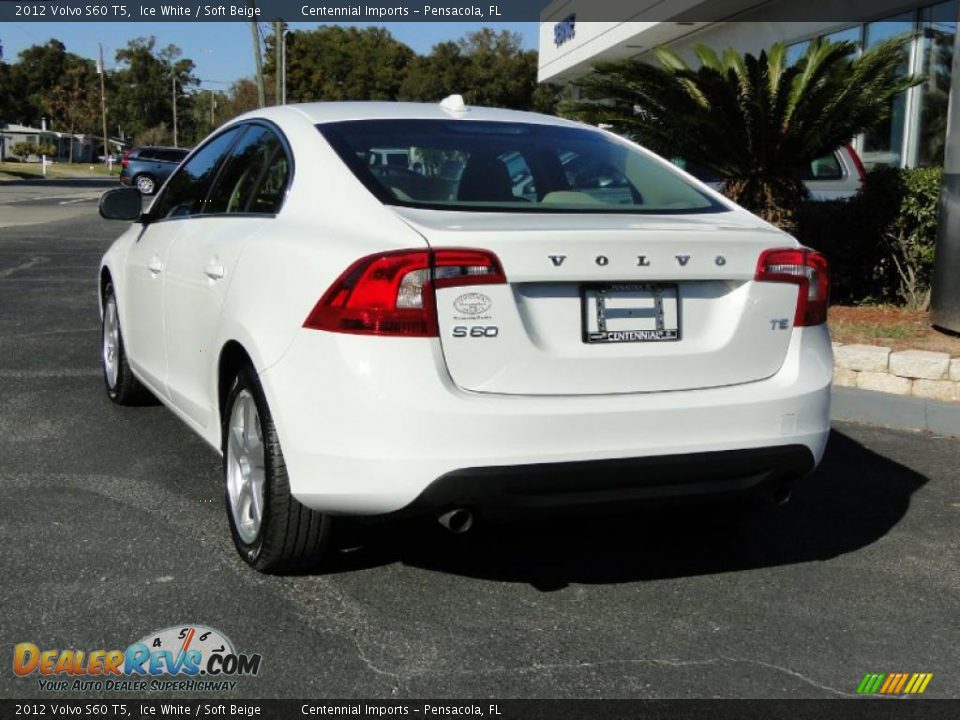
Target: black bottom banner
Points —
{"points": [[855, 709]]}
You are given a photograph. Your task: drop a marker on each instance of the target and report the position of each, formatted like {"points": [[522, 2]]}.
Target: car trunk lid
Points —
{"points": [[603, 304]]}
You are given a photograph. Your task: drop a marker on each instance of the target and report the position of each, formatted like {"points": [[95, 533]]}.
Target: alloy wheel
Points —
{"points": [[246, 475]]}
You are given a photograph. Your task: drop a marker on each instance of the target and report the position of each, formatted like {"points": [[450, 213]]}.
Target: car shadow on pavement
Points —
{"points": [[854, 498]]}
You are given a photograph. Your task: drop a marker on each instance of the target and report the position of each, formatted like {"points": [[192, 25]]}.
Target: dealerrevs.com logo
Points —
{"points": [[179, 658]]}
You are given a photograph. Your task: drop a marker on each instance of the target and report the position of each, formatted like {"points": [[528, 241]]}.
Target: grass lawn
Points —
{"points": [[26, 171], [889, 326]]}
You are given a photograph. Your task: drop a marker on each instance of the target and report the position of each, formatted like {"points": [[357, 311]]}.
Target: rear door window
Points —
{"points": [[268, 197], [186, 191], [254, 176]]}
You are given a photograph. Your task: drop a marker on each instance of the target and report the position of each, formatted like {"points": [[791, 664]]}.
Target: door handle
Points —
{"points": [[155, 265], [214, 270]]}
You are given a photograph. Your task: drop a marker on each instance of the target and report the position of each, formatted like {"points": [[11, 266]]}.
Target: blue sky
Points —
{"points": [[222, 51]]}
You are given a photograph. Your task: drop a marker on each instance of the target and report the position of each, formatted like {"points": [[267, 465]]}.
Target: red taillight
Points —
{"points": [[125, 160], [392, 293], [857, 162], [803, 267]]}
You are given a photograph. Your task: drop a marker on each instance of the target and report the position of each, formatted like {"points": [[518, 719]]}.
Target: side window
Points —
{"points": [[268, 196], [145, 155], [173, 156], [825, 168], [254, 177], [187, 188]]}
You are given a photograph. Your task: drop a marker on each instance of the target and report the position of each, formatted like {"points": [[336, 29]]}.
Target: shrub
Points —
{"points": [[880, 243], [910, 240], [157, 135], [46, 149], [23, 149]]}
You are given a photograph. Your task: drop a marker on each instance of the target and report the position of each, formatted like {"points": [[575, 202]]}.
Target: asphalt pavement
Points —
{"points": [[113, 526]]}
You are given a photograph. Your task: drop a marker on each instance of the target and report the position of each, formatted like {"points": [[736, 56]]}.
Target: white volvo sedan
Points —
{"points": [[379, 307]]}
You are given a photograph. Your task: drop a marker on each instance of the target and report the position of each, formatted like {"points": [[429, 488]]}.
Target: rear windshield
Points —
{"points": [[499, 166]]}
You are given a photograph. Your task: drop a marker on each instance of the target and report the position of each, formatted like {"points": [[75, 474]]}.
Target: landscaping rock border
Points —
{"points": [[924, 374]]}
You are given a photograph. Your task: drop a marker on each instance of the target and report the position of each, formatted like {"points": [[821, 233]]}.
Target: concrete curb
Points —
{"points": [[895, 411]]}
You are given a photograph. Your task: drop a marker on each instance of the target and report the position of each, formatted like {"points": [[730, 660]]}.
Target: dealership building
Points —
{"points": [[917, 133]]}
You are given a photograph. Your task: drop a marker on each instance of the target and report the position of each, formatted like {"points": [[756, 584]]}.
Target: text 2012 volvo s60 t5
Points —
{"points": [[524, 312]]}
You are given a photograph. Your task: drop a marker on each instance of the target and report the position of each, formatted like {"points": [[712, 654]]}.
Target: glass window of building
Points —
{"points": [[884, 146], [938, 29], [796, 51], [850, 34]]}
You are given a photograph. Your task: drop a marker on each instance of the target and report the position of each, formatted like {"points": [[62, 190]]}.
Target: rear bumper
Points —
{"points": [[373, 425], [501, 491]]}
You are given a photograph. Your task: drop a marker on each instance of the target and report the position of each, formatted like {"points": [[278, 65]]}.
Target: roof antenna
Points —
{"points": [[454, 104]]}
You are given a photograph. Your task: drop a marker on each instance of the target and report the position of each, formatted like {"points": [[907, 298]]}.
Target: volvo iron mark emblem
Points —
{"points": [[472, 303]]}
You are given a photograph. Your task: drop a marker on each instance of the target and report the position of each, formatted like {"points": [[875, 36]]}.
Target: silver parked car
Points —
{"points": [[837, 176]]}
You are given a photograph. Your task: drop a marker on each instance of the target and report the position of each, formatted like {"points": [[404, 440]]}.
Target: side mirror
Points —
{"points": [[121, 204]]}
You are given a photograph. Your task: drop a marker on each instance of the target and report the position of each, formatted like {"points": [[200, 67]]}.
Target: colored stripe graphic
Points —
{"points": [[891, 679], [894, 683], [870, 683], [900, 684]]}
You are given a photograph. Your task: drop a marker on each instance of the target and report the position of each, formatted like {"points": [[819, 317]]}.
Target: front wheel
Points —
{"points": [[271, 530], [122, 387], [146, 184]]}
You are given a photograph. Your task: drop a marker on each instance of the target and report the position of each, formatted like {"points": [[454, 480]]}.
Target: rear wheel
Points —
{"points": [[271, 530], [146, 184], [122, 387]]}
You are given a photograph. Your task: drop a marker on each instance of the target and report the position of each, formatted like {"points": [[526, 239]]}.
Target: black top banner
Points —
{"points": [[492, 11], [377, 709]]}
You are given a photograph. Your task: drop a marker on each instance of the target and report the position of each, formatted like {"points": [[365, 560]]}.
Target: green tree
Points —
{"points": [[39, 68], [71, 104], [14, 107], [341, 63], [142, 89], [486, 67], [757, 121], [241, 98]]}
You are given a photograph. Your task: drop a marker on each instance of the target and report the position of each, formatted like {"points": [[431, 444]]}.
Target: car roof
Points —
{"points": [[325, 112], [162, 147]]}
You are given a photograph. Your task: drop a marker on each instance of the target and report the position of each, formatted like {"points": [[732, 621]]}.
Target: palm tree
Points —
{"points": [[756, 121]]}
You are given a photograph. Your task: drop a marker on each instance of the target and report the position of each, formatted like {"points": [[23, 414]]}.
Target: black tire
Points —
{"points": [[125, 389], [291, 537], [146, 178]]}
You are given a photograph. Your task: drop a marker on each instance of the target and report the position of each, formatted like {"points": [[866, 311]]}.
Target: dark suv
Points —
{"points": [[146, 168]]}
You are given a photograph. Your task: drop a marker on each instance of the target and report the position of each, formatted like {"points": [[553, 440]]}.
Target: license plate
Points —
{"points": [[631, 312]]}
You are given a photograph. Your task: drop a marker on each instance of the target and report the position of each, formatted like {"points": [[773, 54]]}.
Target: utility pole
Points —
{"points": [[103, 108], [277, 61], [43, 141], [213, 106], [173, 82], [283, 67], [257, 61]]}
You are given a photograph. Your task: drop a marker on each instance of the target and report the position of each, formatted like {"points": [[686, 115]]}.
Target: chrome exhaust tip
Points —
{"points": [[457, 521], [781, 494]]}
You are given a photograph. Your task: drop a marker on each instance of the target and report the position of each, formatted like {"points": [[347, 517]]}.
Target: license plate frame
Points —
{"points": [[596, 312]]}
